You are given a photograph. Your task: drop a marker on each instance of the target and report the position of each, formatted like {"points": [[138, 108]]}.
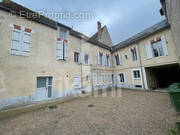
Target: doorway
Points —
{"points": [[44, 88]]}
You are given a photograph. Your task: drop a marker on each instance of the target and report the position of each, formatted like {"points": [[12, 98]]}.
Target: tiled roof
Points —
{"points": [[157, 27]]}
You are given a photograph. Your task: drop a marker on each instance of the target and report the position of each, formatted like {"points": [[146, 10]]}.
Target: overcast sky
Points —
{"points": [[124, 18]]}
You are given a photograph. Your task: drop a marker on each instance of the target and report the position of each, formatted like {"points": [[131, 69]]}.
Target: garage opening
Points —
{"points": [[162, 76]]}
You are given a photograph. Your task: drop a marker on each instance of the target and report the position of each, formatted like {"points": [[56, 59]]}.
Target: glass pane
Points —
{"points": [[49, 91], [161, 52], [50, 81], [41, 82]]}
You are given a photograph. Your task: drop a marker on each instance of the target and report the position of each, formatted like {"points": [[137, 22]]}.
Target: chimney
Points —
{"points": [[99, 30]]}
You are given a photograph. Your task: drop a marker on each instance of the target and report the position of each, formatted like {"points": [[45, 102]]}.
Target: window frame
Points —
{"points": [[157, 47], [76, 57], [64, 35], [86, 61], [134, 54], [136, 75], [120, 79]]}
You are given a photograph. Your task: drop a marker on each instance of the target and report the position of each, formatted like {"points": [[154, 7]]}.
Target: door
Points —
{"points": [[44, 88]]}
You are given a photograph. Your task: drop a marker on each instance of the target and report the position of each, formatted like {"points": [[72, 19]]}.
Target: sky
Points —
{"points": [[123, 18]]}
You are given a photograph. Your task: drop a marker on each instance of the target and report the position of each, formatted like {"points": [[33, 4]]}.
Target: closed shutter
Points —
{"points": [[120, 61], [164, 45], [104, 59], [16, 42], [125, 79], [79, 81], [98, 58], [59, 50], [91, 60], [65, 50], [110, 63], [137, 52], [94, 79], [118, 79], [149, 52], [81, 58], [26, 44]]}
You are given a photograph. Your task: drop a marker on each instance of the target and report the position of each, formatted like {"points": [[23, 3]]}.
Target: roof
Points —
{"points": [[155, 28], [95, 36], [16, 9]]}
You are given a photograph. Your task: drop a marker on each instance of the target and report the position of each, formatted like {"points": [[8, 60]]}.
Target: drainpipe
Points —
{"points": [[140, 61], [81, 63]]}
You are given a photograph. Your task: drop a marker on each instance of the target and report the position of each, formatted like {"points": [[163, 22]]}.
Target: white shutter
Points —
{"points": [[149, 52], [118, 79], [137, 52], [65, 50], [125, 79], [94, 79], [98, 58], [59, 50], [77, 81], [104, 59], [114, 59], [164, 45], [110, 63], [81, 58], [26, 44], [16, 42], [91, 60], [120, 61]]}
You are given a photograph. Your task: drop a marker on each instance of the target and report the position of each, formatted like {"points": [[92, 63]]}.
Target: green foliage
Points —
{"points": [[175, 87], [173, 131]]}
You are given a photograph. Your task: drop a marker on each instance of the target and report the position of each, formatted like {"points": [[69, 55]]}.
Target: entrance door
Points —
{"points": [[44, 88]]}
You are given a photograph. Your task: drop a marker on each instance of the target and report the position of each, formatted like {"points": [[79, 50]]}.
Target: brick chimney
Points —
{"points": [[99, 30]]}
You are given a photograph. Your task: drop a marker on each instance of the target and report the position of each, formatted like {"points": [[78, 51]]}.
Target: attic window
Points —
{"points": [[63, 34]]}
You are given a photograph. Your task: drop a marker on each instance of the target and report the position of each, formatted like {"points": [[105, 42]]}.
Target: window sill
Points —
{"points": [[136, 78], [20, 55]]}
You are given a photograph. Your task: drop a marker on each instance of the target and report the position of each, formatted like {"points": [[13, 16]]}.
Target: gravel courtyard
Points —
{"points": [[135, 113]]}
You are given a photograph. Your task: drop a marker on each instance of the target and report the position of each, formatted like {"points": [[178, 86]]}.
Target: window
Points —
{"points": [[88, 78], [134, 53], [76, 57], [108, 61], [158, 49], [103, 78], [63, 34], [121, 78], [126, 57], [86, 59], [136, 74], [21, 41], [77, 81], [109, 78], [117, 60]]}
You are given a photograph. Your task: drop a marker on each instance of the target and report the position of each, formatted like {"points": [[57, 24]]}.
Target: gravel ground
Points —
{"points": [[135, 113]]}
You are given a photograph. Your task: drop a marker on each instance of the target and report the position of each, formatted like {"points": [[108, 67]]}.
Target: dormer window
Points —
{"points": [[63, 34]]}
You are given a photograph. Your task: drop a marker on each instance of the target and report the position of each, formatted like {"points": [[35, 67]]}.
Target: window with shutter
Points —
{"points": [[149, 53], [59, 51], [21, 41], [16, 42], [26, 44]]}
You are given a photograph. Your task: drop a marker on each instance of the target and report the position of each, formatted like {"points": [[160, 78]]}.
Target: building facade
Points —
{"points": [[41, 59]]}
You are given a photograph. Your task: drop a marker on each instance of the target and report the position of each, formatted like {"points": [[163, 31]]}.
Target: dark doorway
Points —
{"points": [[163, 76]]}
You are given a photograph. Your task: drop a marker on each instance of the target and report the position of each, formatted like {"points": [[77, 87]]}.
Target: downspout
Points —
{"points": [[140, 61], [81, 63]]}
